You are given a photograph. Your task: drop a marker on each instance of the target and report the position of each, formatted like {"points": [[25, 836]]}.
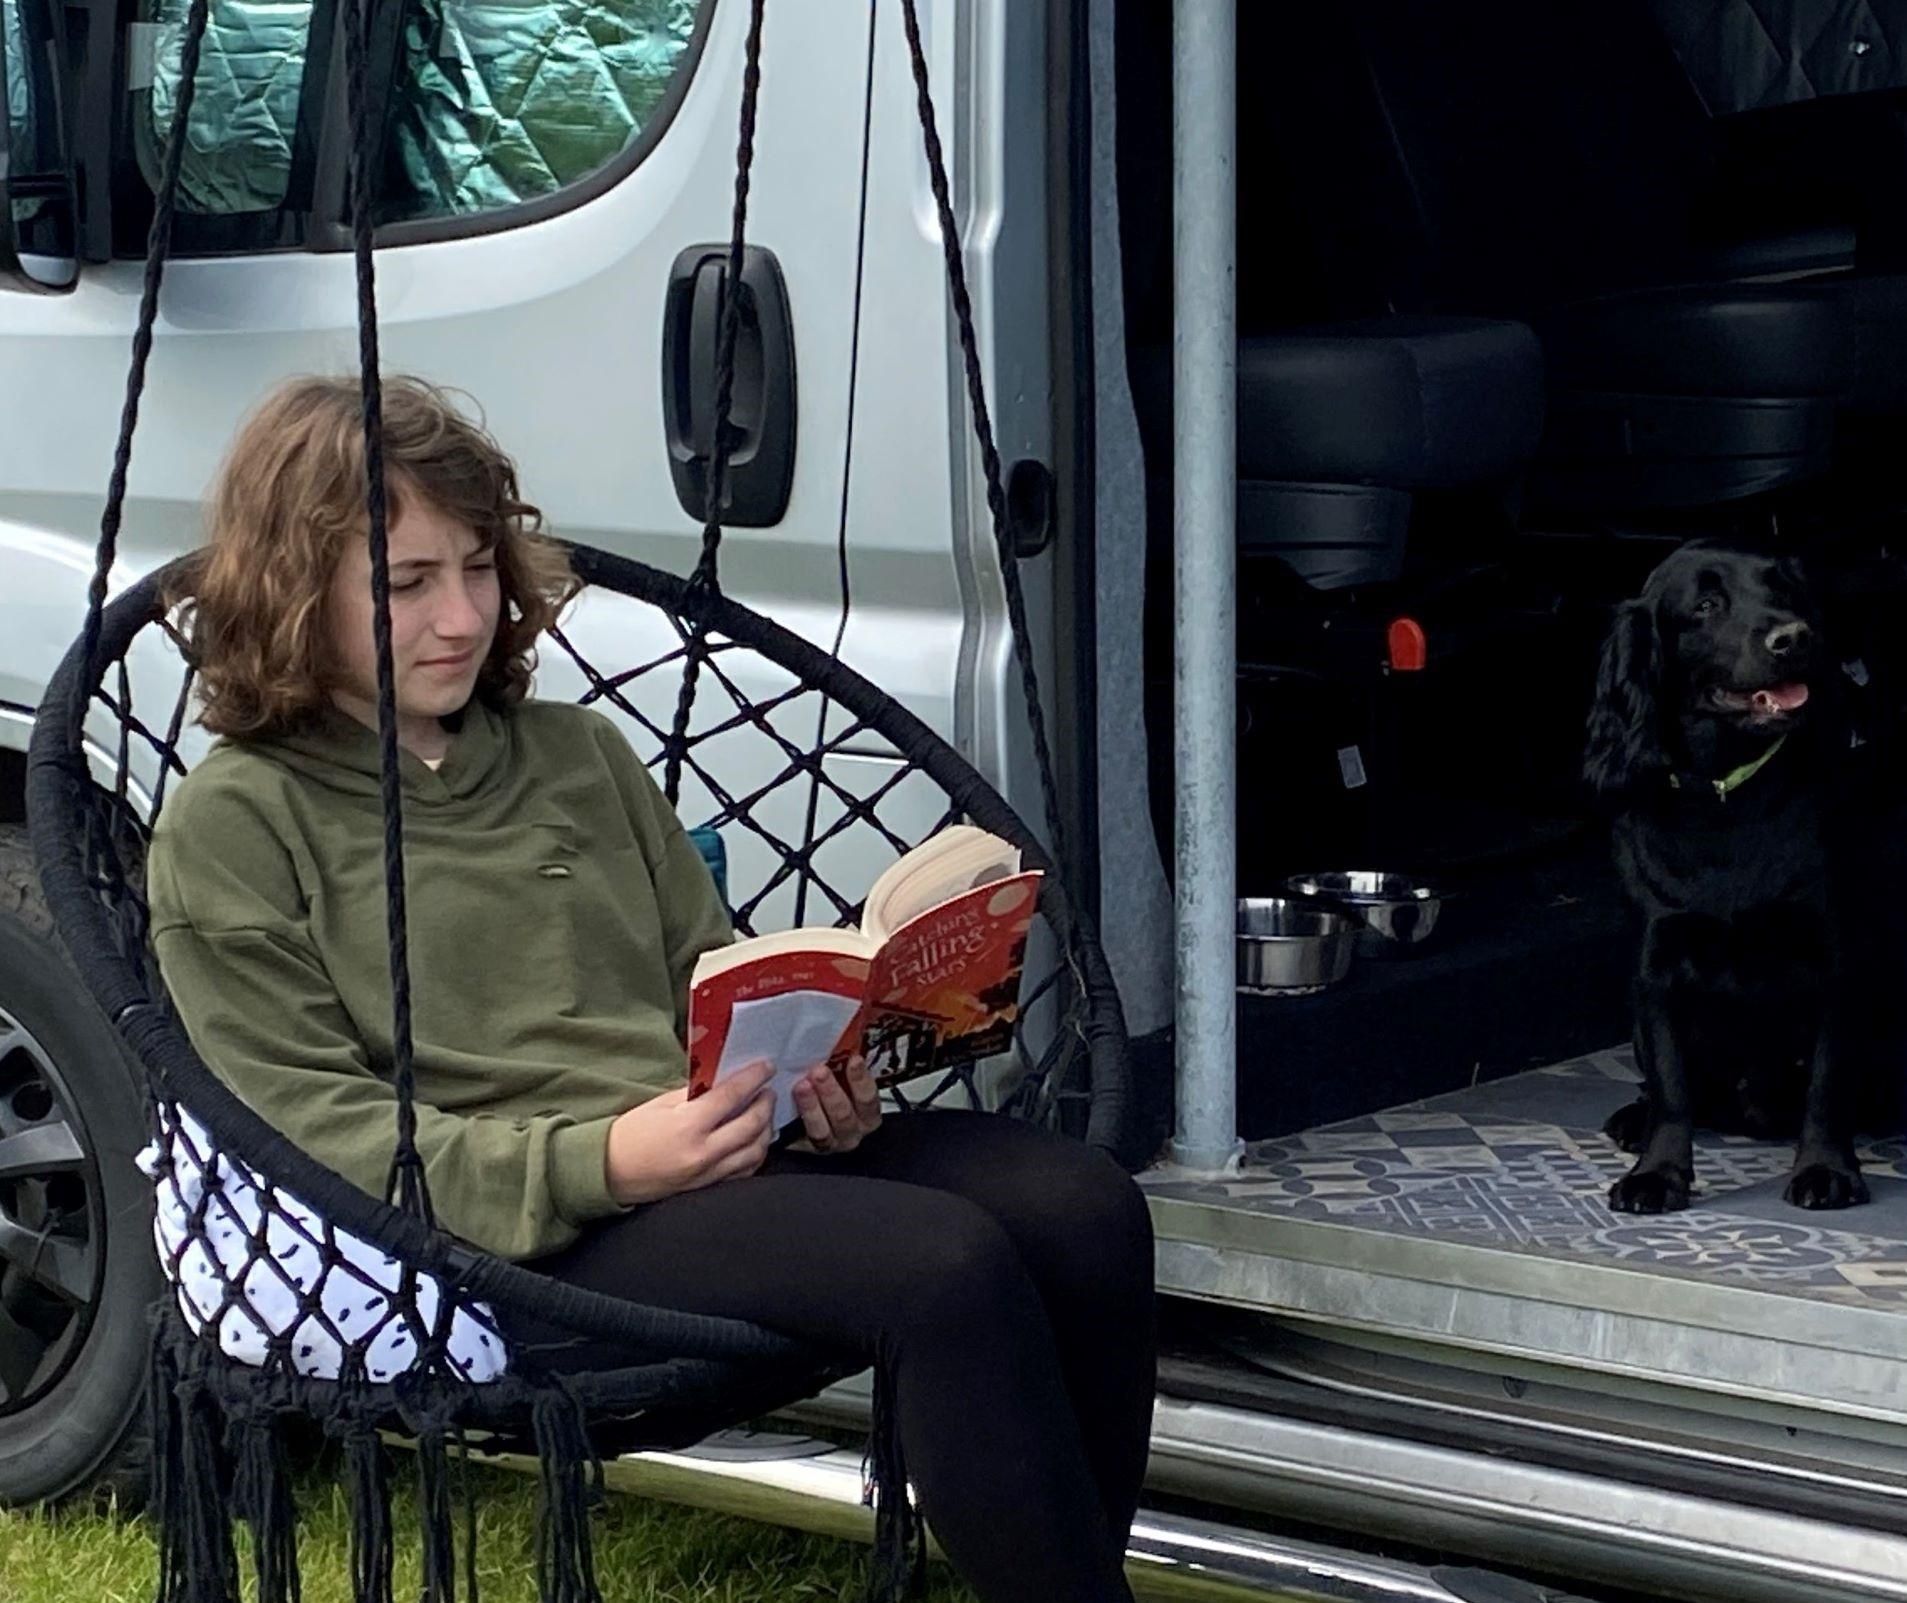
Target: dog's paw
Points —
{"points": [[1628, 1126], [1826, 1185], [1650, 1191]]}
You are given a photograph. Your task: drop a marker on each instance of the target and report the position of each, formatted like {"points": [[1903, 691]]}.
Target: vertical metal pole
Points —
{"points": [[1204, 651]]}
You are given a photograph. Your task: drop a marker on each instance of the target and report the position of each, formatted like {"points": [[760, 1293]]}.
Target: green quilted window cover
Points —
{"points": [[19, 94], [497, 101], [251, 69]]}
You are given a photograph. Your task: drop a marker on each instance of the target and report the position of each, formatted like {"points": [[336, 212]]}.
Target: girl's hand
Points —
{"points": [[835, 1118], [670, 1143]]}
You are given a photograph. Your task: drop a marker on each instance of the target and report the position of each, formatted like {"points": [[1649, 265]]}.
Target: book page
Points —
{"points": [[718, 1000], [794, 1031], [799, 944], [955, 861]]}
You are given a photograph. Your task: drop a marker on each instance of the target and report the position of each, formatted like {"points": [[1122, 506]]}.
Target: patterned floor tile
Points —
{"points": [[1491, 1166]]}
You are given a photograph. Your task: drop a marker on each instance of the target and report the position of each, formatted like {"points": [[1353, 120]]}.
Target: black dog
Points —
{"points": [[1717, 736]]}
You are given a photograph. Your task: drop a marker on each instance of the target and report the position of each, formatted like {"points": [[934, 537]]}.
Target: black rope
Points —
{"points": [[899, 1532], [261, 1493], [158, 244], [706, 575], [406, 1180], [431, 1449], [372, 1542], [197, 1563], [467, 1497], [570, 1485], [983, 431], [847, 455]]}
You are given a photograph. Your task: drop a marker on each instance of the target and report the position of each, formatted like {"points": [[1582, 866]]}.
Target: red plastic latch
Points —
{"points": [[1409, 647]]}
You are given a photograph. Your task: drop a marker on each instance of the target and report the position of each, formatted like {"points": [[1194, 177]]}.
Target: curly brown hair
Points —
{"points": [[289, 497]]}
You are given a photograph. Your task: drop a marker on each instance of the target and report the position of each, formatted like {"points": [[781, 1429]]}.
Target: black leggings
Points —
{"points": [[1011, 1273]]}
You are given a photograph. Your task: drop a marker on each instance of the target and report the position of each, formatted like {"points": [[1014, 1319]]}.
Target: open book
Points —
{"points": [[930, 980]]}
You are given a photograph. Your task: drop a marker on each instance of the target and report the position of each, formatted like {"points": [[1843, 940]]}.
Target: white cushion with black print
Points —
{"points": [[271, 1283]]}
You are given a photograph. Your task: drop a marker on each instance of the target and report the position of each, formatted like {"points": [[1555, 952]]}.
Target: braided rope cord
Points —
{"points": [[706, 575], [406, 1182], [158, 246], [706, 570], [983, 430]]}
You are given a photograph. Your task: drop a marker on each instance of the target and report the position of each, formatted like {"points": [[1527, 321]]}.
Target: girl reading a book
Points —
{"points": [[557, 909]]}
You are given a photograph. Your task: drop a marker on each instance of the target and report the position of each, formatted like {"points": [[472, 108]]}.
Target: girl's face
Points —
{"points": [[444, 605]]}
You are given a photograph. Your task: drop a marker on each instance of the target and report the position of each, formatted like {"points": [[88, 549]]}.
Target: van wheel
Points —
{"points": [[77, 1267]]}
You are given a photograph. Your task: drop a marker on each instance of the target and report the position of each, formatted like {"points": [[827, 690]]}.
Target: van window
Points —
{"points": [[491, 102], [37, 248], [13, 46], [246, 113], [499, 102]]}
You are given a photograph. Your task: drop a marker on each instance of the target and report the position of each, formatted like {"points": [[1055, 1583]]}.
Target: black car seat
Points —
{"points": [[1343, 421], [1342, 425], [1542, 163], [1808, 110]]}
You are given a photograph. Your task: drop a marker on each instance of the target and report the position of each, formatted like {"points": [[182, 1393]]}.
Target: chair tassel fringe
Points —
{"points": [[262, 1496], [367, 1474], [899, 1537], [197, 1561], [571, 1487], [436, 1515]]}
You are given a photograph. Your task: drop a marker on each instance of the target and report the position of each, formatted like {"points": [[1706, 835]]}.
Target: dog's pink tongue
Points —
{"points": [[1781, 698]]}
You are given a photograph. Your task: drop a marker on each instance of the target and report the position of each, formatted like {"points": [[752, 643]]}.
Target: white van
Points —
{"points": [[1527, 293]]}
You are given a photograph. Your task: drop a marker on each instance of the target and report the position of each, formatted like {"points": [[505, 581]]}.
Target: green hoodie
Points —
{"points": [[556, 908]]}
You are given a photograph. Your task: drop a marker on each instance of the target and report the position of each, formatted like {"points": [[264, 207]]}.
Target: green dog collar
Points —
{"points": [[1729, 783]]}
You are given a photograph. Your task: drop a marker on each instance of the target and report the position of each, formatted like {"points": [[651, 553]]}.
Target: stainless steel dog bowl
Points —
{"points": [[1394, 912], [1286, 948]]}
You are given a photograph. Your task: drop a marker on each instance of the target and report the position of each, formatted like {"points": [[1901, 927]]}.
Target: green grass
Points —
{"points": [[646, 1552]]}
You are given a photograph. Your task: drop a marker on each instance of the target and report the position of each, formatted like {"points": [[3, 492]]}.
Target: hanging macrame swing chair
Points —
{"points": [[273, 1260]]}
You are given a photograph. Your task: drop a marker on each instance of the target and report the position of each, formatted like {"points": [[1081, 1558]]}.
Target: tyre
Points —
{"points": [[77, 1268]]}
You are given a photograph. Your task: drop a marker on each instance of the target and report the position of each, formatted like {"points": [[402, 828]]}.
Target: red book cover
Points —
{"points": [[945, 989], [713, 1002], [942, 990]]}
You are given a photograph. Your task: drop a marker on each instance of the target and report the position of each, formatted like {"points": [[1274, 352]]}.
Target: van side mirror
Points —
{"points": [[38, 251]]}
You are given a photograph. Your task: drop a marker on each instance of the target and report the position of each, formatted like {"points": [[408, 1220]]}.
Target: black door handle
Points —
{"points": [[761, 436]]}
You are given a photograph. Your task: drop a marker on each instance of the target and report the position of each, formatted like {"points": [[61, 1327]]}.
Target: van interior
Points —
{"points": [[1528, 295]]}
